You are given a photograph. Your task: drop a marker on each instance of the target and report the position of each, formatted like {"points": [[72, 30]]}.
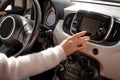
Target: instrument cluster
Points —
{"points": [[50, 16]]}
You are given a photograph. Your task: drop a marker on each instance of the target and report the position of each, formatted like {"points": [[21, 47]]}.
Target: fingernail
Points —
{"points": [[84, 31], [87, 39]]}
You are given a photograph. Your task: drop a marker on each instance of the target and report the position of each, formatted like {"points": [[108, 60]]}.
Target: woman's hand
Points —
{"points": [[2, 13], [74, 43]]}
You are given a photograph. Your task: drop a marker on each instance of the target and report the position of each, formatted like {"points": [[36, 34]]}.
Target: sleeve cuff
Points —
{"points": [[61, 53]]}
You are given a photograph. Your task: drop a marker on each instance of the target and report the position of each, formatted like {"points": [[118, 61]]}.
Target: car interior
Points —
{"points": [[30, 26]]}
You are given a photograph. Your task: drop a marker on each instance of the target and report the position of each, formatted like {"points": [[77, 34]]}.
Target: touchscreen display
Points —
{"points": [[90, 25]]}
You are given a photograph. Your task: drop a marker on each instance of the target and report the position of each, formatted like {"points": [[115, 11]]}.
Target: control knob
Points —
{"points": [[101, 31]]}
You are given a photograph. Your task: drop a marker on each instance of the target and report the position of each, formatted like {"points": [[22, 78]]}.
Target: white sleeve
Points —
{"points": [[24, 66]]}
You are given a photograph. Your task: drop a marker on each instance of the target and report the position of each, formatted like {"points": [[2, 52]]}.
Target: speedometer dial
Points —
{"points": [[50, 15], [50, 19]]}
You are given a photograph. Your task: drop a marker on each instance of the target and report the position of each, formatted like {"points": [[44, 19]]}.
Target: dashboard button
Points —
{"points": [[101, 31]]}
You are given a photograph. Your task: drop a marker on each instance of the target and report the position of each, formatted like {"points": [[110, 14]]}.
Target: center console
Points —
{"points": [[102, 29], [78, 67], [97, 25]]}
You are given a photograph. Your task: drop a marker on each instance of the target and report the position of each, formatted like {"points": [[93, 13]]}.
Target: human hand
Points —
{"points": [[74, 43], [2, 13]]}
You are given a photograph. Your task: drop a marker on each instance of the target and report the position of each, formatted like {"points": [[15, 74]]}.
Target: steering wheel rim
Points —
{"points": [[17, 19]]}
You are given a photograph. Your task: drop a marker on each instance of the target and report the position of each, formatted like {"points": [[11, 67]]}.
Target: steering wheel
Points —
{"points": [[17, 33]]}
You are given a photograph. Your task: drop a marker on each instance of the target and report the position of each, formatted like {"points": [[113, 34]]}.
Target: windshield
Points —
{"points": [[116, 1], [110, 0]]}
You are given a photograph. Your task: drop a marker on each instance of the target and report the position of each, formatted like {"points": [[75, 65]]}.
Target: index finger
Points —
{"points": [[77, 35]]}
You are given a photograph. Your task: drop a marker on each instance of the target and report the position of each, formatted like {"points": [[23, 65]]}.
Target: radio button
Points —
{"points": [[101, 31]]}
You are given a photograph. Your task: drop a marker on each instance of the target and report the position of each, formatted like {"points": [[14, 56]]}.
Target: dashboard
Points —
{"points": [[99, 61], [64, 18]]}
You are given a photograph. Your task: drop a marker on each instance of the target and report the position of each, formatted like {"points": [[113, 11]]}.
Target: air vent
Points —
{"points": [[67, 23], [115, 33]]}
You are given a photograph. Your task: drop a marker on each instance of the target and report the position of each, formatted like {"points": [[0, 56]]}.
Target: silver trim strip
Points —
{"points": [[71, 26], [110, 29], [12, 29]]}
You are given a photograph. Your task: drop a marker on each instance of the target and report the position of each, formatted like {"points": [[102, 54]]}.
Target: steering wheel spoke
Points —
{"points": [[4, 48], [9, 50], [25, 33]]}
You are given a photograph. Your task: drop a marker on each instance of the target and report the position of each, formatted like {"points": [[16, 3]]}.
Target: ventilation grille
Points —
{"points": [[115, 33]]}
